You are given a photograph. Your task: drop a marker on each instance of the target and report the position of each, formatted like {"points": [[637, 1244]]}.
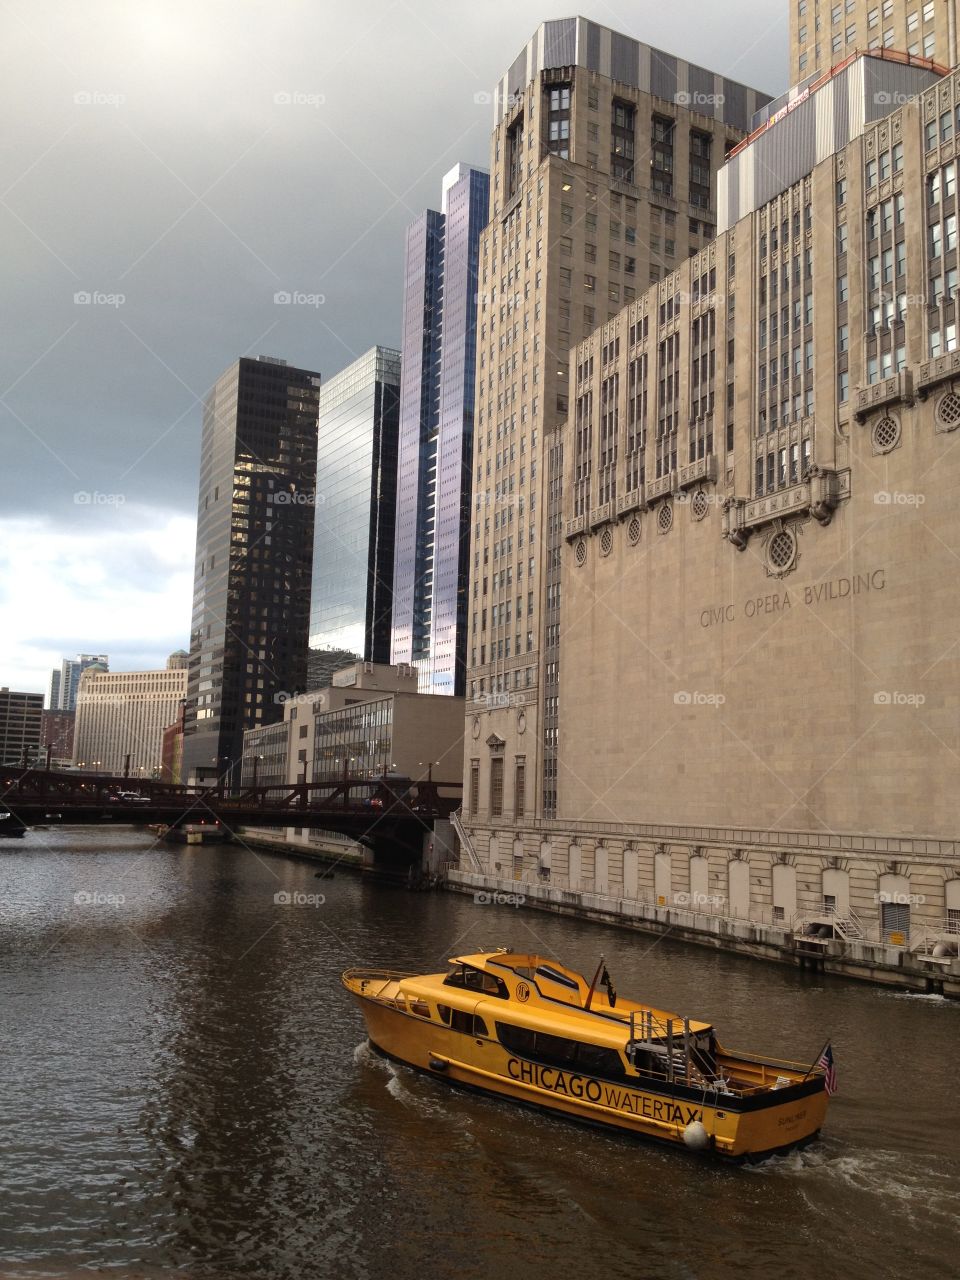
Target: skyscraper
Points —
{"points": [[254, 536], [62, 693], [822, 34], [604, 159], [437, 389], [749, 523], [356, 488]]}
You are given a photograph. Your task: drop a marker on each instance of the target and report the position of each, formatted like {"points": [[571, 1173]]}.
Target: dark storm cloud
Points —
{"points": [[153, 160], [168, 168]]}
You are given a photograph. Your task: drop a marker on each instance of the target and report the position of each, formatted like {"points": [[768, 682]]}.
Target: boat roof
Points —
{"points": [[558, 993]]}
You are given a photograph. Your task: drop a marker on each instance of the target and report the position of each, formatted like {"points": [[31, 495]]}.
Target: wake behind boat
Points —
{"points": [[526, 1028]]}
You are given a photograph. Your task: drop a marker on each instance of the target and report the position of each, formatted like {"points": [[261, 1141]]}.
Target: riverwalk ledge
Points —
{"points": [[846, 957]]}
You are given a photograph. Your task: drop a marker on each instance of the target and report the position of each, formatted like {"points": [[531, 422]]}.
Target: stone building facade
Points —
{"points": [[604, 166], [121, 717], [823, 32], [750, 507]]}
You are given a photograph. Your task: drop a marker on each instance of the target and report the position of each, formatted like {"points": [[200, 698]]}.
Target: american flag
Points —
{"points": [[829, 1070]]}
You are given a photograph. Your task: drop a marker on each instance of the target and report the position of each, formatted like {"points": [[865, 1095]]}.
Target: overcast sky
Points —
{"points": [[181, 163]]}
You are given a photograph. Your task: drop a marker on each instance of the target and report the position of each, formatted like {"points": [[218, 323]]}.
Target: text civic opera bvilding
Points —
{"points": [[812, 595]]}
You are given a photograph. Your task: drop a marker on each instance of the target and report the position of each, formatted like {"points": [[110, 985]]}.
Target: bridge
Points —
{"points": [[390, 817]]}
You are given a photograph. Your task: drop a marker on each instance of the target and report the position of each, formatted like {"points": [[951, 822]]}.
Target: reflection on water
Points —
{"points": [[185, 1088]]}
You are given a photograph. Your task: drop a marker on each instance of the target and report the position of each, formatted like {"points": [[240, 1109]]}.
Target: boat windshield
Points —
{"points": [[464, 975]]}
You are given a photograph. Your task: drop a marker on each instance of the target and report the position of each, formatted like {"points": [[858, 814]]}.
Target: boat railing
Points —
{"points": [[670, 1042], [375, 979], [701, 1075]]}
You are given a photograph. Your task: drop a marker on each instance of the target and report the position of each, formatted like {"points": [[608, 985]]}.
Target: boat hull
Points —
{"points": [[736, 1128]]}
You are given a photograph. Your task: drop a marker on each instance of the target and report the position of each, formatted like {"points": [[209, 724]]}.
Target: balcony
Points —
{"points": [[575, 527], [703, 471], [819, 494], [631, 501], [601, 515], [656, 489], [933, 372], [895, 390]]}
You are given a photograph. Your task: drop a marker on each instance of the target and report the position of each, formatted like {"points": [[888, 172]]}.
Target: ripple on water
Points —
{"points": [[185, 1090]]}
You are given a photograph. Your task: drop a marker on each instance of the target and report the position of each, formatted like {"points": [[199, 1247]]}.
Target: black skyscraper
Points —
{"points": [[251, 595]]}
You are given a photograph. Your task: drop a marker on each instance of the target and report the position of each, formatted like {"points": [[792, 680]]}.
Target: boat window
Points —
{"points": [[420, 1008], [444, 1011], [468, 1023], [556, 1051], [476, 980], [562, 979]]}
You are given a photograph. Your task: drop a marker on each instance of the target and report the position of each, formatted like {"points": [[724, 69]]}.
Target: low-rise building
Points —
{"points": [[56, 736], [370, 722], [171, 749], [20, 717]]}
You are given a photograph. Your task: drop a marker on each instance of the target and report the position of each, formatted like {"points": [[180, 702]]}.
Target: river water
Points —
{"points": [[185, 1090]]}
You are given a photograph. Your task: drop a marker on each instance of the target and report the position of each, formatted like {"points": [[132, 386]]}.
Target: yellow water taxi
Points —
{"points": [[526, 1028]]}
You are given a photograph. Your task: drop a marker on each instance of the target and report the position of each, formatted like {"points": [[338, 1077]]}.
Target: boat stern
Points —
{"points": [[776, 1125]]}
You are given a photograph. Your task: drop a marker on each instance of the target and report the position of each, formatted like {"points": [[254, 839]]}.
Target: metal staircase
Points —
{"points": [[465, 842], [848, 927]]}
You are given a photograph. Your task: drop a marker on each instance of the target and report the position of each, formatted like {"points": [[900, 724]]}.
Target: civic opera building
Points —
{"points": [[743, 719]]}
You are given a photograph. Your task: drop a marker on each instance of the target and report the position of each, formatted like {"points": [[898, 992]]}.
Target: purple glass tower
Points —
{"points": [[436, 434]]}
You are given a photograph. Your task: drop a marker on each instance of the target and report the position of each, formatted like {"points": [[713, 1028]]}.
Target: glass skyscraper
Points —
{"points": [[62, 695], [248, 641], [436, 433], [352, 596]]}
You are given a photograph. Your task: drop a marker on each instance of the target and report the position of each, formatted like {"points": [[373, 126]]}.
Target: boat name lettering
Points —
{"points": [[793, 1118], [577, 1086], [640, 1104]]}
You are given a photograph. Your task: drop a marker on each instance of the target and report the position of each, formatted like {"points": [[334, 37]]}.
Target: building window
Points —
{"points": [[700, 168], [519, 789], [557, 120], [622, 140], [496, 787], [514, 157], [474, 786], [661, 167]]}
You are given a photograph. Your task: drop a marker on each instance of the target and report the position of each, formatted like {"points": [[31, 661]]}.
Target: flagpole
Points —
{"points": [[816, 1060], [593, 984]]}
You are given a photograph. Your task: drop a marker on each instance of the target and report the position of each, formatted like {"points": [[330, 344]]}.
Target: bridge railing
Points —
{"points": [[83, 790]]}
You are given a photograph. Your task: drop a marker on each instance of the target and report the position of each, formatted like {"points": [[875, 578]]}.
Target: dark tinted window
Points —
{"points": [[556, 1051], [468, 1023], [476, 980]]}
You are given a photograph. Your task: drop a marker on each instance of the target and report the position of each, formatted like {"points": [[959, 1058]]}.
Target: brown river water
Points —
{"points": [[185, 1090]]}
